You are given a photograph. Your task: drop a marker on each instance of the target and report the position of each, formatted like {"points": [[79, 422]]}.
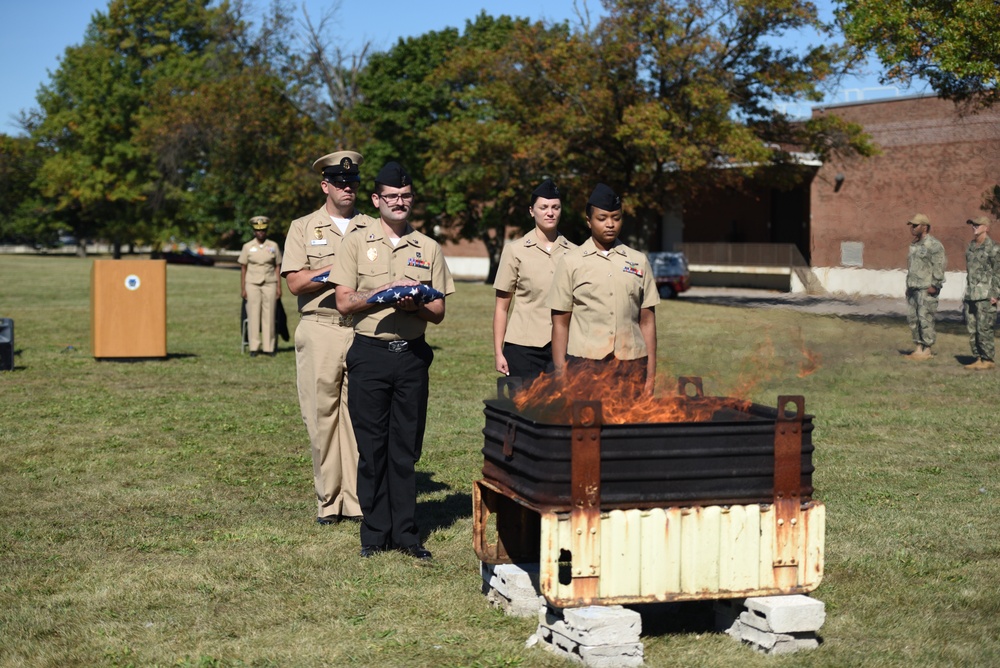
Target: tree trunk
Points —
{"points": [[494, 249]]}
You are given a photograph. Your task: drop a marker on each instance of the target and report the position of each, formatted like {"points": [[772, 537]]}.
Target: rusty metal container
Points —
{"points": [[727, 459], [716, 509]]}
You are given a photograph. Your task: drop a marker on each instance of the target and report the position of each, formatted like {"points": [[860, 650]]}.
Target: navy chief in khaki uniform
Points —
{"points": [[260, 285], [323, 335], [603, 299], [389, 360], [522, 333]]}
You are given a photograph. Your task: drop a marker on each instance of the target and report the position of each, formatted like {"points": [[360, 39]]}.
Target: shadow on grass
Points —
{"points": [[659, 619], [443, 513], [134, 360]]}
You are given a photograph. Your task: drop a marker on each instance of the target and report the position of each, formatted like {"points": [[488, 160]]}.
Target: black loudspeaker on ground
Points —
{"points": [[6, 344]]}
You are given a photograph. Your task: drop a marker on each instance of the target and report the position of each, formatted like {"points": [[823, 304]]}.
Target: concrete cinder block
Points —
{"points": [[604, 621], [624, 655], [513, 580], [520, 607], [778, 643], [612, 656], [593, 625], [784, 614]]}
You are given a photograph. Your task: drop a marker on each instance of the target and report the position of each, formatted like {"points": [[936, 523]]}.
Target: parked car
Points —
{"points": [[187, 256], [671, 273]]}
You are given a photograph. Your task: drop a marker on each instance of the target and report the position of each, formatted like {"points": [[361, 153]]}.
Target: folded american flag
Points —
{"points": [[422, 294]]}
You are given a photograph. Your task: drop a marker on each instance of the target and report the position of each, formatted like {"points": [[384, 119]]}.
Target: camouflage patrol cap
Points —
{"points": [[259, 222], [981, 220], [919, 219]]}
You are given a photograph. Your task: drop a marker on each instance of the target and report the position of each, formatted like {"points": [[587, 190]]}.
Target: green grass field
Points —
{"points": [[161, 513]]}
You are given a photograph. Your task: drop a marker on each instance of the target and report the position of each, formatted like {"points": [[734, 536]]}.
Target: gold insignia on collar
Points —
{"points": [[372, 254], [318, 233]]}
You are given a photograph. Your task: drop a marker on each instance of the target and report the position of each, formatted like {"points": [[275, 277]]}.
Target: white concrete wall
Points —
{"points": [[468, 268], [890, 283]]}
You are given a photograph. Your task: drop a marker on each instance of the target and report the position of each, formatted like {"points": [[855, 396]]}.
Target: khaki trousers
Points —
{"points": [[321, 346], [260, 313]]}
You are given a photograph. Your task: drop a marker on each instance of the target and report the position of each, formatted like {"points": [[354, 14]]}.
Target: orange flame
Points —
{"points": [[811, 363], [550, 397]]}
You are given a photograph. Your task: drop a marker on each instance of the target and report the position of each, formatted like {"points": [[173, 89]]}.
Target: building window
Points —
{"points": [[852, 254]]}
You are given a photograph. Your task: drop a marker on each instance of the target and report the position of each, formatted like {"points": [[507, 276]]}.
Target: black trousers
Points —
{"points": [[527, 362], [387, 398]]}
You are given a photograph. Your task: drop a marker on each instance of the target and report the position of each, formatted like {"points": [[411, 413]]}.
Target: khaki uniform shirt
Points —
{"points": [[313, 243], [605, 294], [925, 264], [368, 260], [260, 260], [526, 271]]}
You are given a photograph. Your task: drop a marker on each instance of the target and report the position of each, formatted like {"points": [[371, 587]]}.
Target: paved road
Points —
{"points": [[864, 307]]}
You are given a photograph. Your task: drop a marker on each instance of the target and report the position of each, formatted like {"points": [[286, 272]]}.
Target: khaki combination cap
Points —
{"points": [[341, 162], [981, 220], [919, 219], [259, 222]]}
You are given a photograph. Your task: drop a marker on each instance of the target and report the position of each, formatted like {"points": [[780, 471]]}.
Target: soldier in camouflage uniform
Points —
{"points": [[982, 288], [924, 278]]}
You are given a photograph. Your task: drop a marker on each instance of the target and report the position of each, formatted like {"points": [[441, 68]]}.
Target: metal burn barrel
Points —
{"points": [[715, 507]]}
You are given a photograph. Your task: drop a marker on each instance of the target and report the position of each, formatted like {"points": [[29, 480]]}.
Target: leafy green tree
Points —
{"points": [[23, 216], [398, 102], [661, 99], [953, 44], [98, 99]]}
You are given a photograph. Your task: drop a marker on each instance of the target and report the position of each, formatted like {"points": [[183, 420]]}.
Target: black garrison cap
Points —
{"points": [[605, 198], [393, 175], [546, 190]]}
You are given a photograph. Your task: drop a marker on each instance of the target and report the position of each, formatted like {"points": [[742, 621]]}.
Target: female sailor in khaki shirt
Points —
{"points": [[522, 335], [603, 301]]}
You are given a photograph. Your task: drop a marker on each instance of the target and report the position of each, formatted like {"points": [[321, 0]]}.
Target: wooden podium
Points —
{"points": [[128, 308]]}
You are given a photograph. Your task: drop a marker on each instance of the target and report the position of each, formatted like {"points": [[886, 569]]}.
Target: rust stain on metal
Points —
{"points": [[585, 485], [701, 550]]}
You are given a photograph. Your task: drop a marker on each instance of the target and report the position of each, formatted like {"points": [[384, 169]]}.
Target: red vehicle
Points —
{"points": [[671, 273]]}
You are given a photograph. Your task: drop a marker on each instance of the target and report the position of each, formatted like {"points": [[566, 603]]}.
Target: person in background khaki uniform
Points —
{"points": [[982, 289], [323, 336], [260, 285], [924, 278], [522, 335], [603, 298]]}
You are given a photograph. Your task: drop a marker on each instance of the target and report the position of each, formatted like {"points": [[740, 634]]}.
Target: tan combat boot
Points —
{"points": [[921, 353], [986, 365], [978, 364]]}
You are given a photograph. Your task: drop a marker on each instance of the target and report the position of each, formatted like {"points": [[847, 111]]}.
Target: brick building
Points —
{"points": [[937, 158], [846, 217]]}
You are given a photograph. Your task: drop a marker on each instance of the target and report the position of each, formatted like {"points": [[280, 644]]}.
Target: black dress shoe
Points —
{"points": [[371, 550], [330, 519], [253, 353], [416, 551]]}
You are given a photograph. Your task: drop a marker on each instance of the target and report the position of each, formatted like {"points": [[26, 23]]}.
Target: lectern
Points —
{"points": [[128, 308]]}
